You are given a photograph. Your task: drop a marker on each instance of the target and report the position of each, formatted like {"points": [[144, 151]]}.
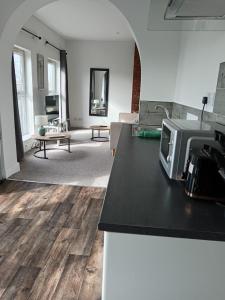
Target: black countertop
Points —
{"points": [[141, 199]]}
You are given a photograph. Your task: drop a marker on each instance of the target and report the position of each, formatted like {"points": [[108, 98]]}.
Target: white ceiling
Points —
{"points": [[86, 20]]}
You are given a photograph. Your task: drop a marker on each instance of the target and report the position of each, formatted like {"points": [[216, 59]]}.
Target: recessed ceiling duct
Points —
{"points": [[195, 10]]}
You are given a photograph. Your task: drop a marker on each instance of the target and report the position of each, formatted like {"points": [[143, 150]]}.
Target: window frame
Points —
{"points": [[55, 63], [22, 53]]}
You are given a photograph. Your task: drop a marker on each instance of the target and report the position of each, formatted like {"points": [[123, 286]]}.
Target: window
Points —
{"points": [[52, 77], [19, 60], [24, 84]]}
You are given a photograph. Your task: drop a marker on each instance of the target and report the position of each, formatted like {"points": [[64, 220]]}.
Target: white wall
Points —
{"points": [[159, 51], [83, 55], [200, 56], [159, 59]]}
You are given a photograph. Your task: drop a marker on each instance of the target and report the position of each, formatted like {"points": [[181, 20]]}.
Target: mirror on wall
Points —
{"points": [[99, 90], [219, 104]]}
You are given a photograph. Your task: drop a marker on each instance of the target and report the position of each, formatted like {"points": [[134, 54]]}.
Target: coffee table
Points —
{"points": [[51, 137], [99, 128]]}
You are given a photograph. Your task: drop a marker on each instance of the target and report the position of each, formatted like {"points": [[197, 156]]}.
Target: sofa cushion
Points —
{"points": [[130, 118]]}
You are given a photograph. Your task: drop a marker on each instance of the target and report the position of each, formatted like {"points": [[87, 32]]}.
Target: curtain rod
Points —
{"points": [[31, 33], [50, 44], [39, 37]]}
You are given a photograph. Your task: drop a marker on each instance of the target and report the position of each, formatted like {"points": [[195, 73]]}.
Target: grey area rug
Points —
{"points": [[89, 164]]}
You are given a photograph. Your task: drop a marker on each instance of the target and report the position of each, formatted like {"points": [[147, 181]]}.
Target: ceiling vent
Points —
{"points": [[195, 10]]}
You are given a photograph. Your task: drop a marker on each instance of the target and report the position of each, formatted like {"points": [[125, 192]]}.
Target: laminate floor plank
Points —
{"points": [[80, 206], [25, 243], [60, 215], [11, 198], [4, 227], [98, 193], [4, 196], [92, 213], [7, 272], [47, 233], [21, 284], [86, 234], [72, 278], [39, 252], [7, 227], [34, 204], [58, 195], [72, 194], [8, 186], [84, 193], [41, 218], [47, 281], [10, 239], [75, 217], [18, 206], [91, 287]]}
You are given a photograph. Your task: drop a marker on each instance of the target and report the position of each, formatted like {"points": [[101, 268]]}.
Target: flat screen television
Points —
{"points": [[52, 105]]}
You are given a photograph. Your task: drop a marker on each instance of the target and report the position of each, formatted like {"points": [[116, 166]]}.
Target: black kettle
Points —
{"points": [[205, 175]]}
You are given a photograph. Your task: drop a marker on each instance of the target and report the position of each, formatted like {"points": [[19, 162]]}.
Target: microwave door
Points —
{"points": [[166, 143], [167, 149]]}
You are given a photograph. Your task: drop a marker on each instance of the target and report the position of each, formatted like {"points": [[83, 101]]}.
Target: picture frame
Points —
{"points": [[40, 71]]}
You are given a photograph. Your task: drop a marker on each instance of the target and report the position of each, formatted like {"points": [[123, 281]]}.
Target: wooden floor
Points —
{"points": [[49, 244]]}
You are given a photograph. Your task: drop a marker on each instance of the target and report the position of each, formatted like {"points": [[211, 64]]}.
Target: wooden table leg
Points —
{"points": [[69, 145]]}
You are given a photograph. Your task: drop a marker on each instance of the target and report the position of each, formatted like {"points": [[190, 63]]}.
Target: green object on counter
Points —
{"points": [[152, 134]]}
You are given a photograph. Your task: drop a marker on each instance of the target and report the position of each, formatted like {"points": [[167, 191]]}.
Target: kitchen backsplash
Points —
{"points": [[149, 116], [180, 111]]}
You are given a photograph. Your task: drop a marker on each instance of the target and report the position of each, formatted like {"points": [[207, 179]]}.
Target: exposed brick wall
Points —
{"points": [[136, 82]]}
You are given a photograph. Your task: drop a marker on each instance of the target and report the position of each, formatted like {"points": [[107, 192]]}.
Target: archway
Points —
{"points": [[13, 16], [135, 103]]}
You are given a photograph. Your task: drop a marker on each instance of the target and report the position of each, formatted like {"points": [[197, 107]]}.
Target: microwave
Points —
{"points": [[174, 139]]}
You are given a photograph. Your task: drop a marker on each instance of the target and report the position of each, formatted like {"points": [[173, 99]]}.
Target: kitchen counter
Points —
{"points": [[158, 243], [141, 199]]}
